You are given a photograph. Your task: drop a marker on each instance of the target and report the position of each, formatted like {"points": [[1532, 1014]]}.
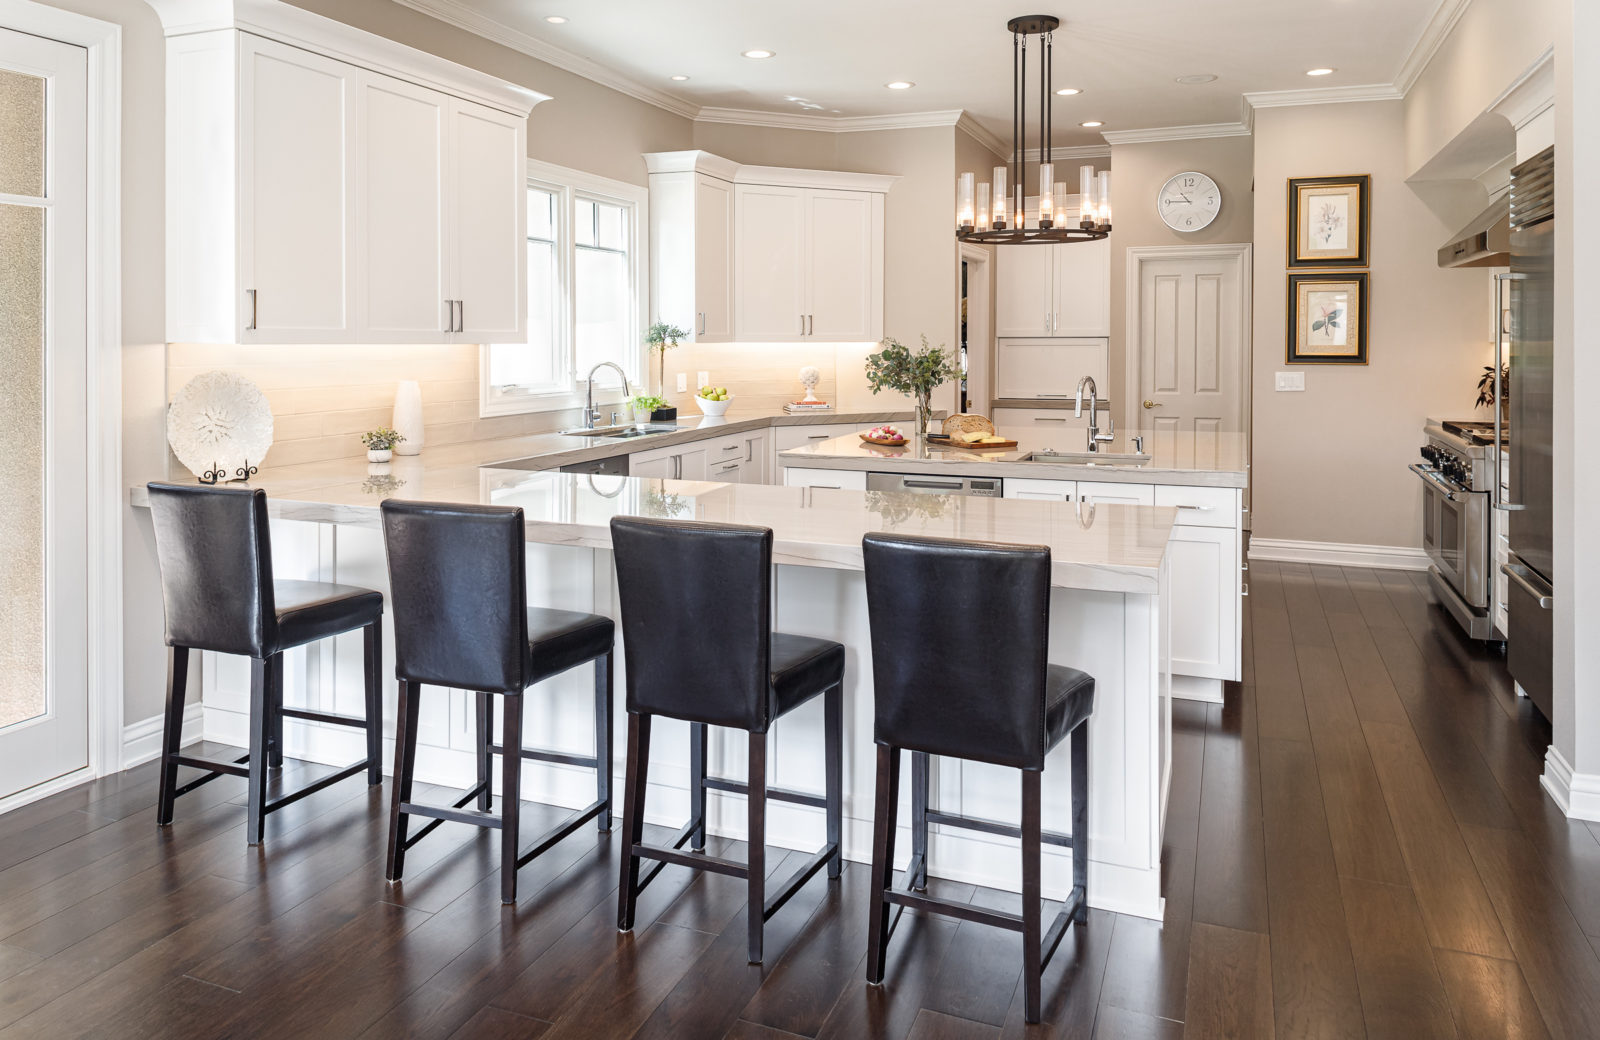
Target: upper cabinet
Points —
{"points": [[376, 197], [764, 254], [1053, 290]]}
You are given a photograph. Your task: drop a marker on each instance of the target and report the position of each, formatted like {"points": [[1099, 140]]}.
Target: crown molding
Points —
{"points": [[691, 161], [981, 134], [1194, 132], [1532, 93], [1323, 95], [453, 12], [1444, 18], [826, 180], [1074, 151]]}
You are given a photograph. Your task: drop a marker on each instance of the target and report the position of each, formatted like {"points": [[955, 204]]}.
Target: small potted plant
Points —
{"points": [[646, 407], [380, 443], [1486, 389], [917, 374], [660, 338]]}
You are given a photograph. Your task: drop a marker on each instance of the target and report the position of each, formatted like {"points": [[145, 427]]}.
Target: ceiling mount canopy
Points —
{"points": [[1007, 220]]}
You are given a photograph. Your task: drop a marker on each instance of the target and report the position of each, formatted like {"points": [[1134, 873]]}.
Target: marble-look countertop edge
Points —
{"points": [[968, 464]]}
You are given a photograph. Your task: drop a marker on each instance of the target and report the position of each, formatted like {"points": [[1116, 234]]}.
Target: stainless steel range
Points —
{"points": [[1457, 471]]}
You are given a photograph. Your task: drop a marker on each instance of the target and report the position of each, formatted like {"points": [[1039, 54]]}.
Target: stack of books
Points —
{"points": [[801, 407]]}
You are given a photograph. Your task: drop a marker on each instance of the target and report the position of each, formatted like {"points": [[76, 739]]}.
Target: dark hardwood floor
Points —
{"points": [[1357, 845]]}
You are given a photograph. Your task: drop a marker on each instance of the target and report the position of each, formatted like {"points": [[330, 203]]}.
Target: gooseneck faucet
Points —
{"points": [[1095, 436], [590, 416]]}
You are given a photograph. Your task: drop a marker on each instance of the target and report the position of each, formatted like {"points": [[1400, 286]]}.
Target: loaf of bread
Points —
{"points": [[967, 423]]}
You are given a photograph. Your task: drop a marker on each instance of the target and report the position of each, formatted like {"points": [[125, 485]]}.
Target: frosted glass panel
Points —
{"points": [[22, 688], [21, 134]]}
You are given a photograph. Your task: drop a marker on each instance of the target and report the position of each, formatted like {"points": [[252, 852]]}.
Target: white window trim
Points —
{"points": [[570, 185]]}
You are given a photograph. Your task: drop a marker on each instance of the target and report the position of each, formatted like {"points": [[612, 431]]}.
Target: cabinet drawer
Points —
{"points": [[1039, 490], [731, 471], [1108, 493], [786, 437], [843, 479], [1019, 420], [1201, 506]]}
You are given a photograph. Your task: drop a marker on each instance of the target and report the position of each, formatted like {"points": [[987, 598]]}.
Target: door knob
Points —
{"points": [[1150, 404]]}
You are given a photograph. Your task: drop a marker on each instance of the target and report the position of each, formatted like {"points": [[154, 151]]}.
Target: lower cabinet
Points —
{"points": [[680, 462], [739, 458], [839, 479], [1039, 490]]}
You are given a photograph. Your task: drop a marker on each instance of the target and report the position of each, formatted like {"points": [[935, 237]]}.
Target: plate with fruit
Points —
{"points": [[976, 440], [713, 400], [887, 435]]}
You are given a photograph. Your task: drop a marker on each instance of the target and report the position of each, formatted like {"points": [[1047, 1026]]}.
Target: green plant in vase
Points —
{"points": [[915, 373], [645, 405], [660, 338]]}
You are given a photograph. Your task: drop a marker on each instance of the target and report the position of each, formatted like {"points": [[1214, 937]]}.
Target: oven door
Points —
{"points": [[1455, 535]]}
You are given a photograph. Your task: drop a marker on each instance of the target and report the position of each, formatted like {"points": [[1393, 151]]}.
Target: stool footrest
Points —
{"points": [[541, 755], [948, 908], [777, 794], [1006, 830], [442, 813], [214, 767], [312, 788], [800, 877], [561, 830], [657, 866], [323, 716], [697, 860]]}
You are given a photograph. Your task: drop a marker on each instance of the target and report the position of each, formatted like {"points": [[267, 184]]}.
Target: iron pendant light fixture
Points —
{"points": [[1000, 216]]}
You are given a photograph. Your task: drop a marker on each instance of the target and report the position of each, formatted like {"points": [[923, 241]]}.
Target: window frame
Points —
{"points": [[569, 186]]}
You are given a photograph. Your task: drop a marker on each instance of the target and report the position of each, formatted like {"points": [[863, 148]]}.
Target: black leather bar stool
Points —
{"points": [[697, 635], [458, 586], [215, 553], [962, 670]]}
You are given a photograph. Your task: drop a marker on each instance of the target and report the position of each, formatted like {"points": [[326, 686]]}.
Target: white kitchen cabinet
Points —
{"points": [[1107, 492], [1053, 290], [1039, 490], [838, 479], [691, 242], [1205, 601], [787, 437], [1049, 367], [678, 462], [1012, 421], [771, 263], [487, 250], [757, 446], [844, 231]]}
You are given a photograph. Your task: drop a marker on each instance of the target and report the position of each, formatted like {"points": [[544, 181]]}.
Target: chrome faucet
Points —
{"points": [[1096, 438], [590, 414]]}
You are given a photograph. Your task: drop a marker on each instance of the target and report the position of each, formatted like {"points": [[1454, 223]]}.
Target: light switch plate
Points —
{"points": [[705, 378], [1291, 381], [683, 382]]}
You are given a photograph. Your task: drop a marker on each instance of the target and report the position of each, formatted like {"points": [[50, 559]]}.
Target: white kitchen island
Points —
{"points": [[1110, 572]]}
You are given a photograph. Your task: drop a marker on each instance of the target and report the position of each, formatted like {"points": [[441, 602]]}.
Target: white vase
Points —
{"points": [[380, 454], [408, 417]]}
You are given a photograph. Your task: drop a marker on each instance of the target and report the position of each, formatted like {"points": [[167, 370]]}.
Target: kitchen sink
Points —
{"points": [[624, 431], [1091, 458]]}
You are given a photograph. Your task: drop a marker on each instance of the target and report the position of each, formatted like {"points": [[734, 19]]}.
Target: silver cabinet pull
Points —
{"points": [[802, 324], [725, 467], [461, 316], [702, 323], [1198, 509], [252, 294], [449, 315], [1523, 577], [730, 447], [816, 436], [811, 324], [1049, 418]]}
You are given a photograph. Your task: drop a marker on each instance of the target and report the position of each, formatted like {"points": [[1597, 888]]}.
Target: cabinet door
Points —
{"points": [[486, 217], [297, 227], [401, 205], [1039, 490], [694, 463], [651, 464], [1108, 492], [1047, 367], [713, 259], [1024, 290], [756, 450], [769, 254], [1082, 276], [844, 266], [1205, 602]]}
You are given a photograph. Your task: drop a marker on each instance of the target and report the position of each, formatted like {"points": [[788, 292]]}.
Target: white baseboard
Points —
{"points": [[141, 741], [1194, 688], [1577, 794], [1339, 554]]}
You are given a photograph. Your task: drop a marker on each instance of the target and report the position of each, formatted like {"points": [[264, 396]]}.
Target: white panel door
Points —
{"points": [[486, 221], [1024, 291], [1082, 277], [44, 398], [401, 206], [1205, 601], [769, 251], [844, 272], [713, 259], [297, 185], [1190, 339]]}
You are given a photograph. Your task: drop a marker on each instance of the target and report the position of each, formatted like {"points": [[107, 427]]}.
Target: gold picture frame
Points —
{"points": [[1328, 319], [1329, 221]]}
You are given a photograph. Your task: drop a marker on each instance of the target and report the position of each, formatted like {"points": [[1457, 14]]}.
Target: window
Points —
{"points": [[586, 295]]}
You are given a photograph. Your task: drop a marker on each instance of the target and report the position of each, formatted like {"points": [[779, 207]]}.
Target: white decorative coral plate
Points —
{"points": [[220, 422]]}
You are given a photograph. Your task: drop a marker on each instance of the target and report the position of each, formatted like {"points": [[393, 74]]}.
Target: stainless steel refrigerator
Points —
{"points": [[1530, 568]]}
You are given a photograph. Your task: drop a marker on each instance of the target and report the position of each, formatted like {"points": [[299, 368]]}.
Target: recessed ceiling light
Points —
{"points": [[1091, 124], [1320, 72], [1196, 78], [759, 53], [1068, 91], [555, 19], [900, 84], [679, 79]]}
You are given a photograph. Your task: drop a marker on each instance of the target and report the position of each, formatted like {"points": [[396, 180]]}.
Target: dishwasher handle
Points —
{"points": [[933, 485]]}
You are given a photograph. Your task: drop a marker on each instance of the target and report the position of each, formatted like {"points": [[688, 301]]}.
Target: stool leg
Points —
{"points": [[697, 785], [634, 782], [603, 737], [485, 738], [756, 871], [921, 767], [1031, 828], [260, 733], [833, 736], [510, 796], [1080, 818], [886, 802], [275, 717], [172, 731], [372, 664], [405, 757]]}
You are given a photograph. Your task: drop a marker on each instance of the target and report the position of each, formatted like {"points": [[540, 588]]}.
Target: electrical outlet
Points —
{"points": [[1290, 381], [683, 382], [705, 378]]}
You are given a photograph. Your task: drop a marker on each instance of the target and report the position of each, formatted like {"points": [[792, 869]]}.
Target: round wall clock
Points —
{"points": [[1188, 201]]}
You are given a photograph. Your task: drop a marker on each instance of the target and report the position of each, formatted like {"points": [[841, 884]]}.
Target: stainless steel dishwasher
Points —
{"points": [[982, 487]]}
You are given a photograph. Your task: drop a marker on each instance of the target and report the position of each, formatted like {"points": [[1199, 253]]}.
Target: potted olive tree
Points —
{"points": [[918, 374], [660, 338]]}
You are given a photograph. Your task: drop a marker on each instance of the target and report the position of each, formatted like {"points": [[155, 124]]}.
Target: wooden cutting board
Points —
{"points": [[945, 442]]}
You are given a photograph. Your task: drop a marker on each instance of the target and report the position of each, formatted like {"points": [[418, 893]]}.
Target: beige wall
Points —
{"points": [[1139, 171], [1329, 464]]}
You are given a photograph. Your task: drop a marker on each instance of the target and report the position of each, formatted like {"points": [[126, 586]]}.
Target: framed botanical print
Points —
{"points": [[1328, 319], [1329, 221]]}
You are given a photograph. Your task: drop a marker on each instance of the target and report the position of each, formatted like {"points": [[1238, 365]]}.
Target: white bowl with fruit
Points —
{"points": [[713, 400]]}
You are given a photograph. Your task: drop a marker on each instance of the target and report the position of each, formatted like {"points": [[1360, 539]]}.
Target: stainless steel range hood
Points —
{"points": [[1486, 242]]}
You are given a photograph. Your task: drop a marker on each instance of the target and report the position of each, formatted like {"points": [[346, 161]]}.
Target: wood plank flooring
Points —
{"points": [[1357, 845]]}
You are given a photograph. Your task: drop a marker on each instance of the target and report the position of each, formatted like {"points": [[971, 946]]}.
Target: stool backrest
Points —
{"points": [[215, 554], [458, 594], [696, 619], [960, 642]]}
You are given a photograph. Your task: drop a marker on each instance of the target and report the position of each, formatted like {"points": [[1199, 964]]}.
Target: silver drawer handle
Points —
{"points": [[730, 447], [1516, 572], [1048, 418], [1198, 509], [816, 436]]}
